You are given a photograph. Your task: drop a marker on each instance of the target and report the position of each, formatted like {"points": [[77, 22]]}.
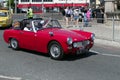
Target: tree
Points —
{"points": [[12, 4]]}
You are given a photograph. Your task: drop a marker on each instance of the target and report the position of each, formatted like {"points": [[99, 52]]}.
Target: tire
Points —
{"points": [[55, 50], [14, 44]]}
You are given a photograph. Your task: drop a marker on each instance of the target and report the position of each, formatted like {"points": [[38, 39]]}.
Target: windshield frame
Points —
{"points": [[45, 25], [54, 24]]}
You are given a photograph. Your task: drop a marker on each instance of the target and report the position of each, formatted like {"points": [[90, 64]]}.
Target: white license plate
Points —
{"points": [[80, 50]]}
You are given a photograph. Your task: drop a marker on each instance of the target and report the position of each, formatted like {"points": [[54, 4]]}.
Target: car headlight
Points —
{"points": [[69, 41], [75, 45], [93, 36]]}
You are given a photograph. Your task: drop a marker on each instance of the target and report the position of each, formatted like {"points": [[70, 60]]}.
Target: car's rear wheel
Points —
{"points": [[55, 50], [14, 44]]}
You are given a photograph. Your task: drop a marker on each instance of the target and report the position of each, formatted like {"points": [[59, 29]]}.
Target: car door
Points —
{"points": [[27, 39]]}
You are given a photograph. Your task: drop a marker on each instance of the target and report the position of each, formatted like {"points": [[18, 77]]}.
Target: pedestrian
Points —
{"points": [[85, 19], [76, 16], [30, 13], [67, 15], [102, 13], [63, 13], [88, 14], [93, 12]]}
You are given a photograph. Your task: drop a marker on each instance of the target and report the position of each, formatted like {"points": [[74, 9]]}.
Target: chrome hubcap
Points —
{"points": [[55, 51], [14, 44]]}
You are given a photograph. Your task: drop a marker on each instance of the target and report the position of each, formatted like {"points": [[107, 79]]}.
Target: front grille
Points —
{"points": [[81, 44], [85, 43]]}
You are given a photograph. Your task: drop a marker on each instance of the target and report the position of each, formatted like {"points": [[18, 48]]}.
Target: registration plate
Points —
{"points": [[80, 51]]}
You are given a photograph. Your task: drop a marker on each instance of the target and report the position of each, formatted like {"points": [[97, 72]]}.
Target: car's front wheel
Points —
{"points": [[14, 44], [55, 50]]}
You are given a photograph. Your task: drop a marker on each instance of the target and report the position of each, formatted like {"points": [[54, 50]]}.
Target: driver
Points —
{"points": [[39, 25]]}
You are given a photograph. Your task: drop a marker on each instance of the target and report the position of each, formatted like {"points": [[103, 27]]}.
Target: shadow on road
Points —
{"points": [[66, 57], [33, 52], [4, 28], [76, 57]]}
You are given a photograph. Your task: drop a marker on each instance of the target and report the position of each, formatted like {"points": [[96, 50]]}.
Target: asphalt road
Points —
{"points": [[103, 63]]}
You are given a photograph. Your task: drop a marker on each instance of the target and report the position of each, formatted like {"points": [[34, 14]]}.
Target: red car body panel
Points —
{"points": [[39, 40]]}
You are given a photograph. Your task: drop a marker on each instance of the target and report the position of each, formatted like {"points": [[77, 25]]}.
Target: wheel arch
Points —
{"points": [[61, 54], [51, 42], [15, 39], [12, 38], [16, 47]]}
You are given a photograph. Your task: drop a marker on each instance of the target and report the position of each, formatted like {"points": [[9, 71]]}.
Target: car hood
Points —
{"points": [[64, 33]]}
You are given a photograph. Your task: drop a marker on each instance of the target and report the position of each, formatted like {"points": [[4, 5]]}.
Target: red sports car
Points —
{"points": [[47, 36]]}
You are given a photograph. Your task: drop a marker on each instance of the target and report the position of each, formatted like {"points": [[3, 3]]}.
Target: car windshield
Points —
{"points": [[3, 14], [38, 24], [52, 24], [41, 24]]}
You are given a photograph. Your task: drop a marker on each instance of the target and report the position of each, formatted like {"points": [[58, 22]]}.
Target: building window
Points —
{"points": [[118, 5], [25, 0], [48, 0], [36, 0]]}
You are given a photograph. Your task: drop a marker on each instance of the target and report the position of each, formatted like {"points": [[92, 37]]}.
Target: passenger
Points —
{"points": [[38, 24], [28, 27], [16, 25]]}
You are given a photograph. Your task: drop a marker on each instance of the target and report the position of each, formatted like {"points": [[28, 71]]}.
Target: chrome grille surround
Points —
{"points": [[81, 44]]}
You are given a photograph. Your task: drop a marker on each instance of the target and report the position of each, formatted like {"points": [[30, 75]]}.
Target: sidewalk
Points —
{"points": [[104, 32]]}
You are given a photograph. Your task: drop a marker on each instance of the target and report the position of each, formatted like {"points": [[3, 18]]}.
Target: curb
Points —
{"points": [[107, 42]]}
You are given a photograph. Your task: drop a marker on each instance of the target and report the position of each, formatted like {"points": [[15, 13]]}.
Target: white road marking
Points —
{"points": [[8, 77], [111, 55]]}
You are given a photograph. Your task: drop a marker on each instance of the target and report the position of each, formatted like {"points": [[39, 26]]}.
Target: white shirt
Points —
{"points": [[26, 29]]}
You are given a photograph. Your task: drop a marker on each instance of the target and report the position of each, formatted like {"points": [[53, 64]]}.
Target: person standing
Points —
{"points": [[63, 13], [85, 19], [30, 13], [76, 16], [67, 15], [88, 14]]}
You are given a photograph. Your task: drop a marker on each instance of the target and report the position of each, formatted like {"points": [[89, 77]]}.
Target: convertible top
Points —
{"points": [[33, 19]]}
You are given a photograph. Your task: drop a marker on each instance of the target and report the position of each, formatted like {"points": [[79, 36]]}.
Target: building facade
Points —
{"points": [[48, 5], [112, 5]]}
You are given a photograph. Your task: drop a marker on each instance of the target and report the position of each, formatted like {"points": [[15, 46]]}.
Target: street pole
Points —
{"points": [[113, 20], [42, 6], [9, 5], [15, 6]]}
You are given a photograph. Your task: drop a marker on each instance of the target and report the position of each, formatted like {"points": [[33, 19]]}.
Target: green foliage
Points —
{"points": [[11, 3]]}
